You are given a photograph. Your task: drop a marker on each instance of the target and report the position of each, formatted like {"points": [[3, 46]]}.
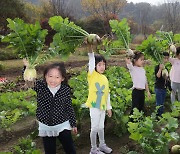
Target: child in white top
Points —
{"points": [[98, 102], [175, 75], [139, 79]]}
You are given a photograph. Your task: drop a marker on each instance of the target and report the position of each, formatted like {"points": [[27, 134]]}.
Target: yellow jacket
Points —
{"points": [[98, 90]]}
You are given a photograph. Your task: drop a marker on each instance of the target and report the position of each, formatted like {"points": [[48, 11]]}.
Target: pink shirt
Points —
{"points": [[175, 70], [138, 76]]}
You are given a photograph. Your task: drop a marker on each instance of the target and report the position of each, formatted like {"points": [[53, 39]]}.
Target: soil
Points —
{"points": [[11, 74], [120, 145], [28, 125]]}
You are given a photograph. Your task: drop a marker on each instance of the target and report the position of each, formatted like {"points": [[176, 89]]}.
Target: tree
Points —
{"points": [[144, 17], [172, 15], [104, 9], [10, 9], [62, 8]]}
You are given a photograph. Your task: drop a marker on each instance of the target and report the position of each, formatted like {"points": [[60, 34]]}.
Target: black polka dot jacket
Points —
{"points": [[54, 110]]}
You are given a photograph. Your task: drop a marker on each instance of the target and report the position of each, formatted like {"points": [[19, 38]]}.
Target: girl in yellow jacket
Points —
{"points": [[98, 102]]}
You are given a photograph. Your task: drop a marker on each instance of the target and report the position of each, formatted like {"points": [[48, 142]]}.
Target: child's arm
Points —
{"points": [[70, 111], [109, 107], [91, 62], [129, 63], [147, 90]]}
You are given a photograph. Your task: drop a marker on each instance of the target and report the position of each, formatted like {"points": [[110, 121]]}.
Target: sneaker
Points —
{"points": [[97, 151], [104, 148]]}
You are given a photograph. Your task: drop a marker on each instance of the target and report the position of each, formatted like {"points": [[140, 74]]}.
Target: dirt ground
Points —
{"points": [[120, 145], [24, 127], [11, 74], [82, 143]]}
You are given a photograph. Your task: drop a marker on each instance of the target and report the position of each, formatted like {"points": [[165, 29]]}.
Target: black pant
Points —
{"points": [[138, 99], [66, 140]]}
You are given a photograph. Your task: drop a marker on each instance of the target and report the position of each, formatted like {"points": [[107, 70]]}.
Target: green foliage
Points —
{"points": [[26, 39], [108, 47], [80, 94], [177, 39], [7, 54], [176, 109], [153, 135], [122, 31], [10, 9], [168, 36], [1, 67], [153, 48], [68, 35], [15, 105], [119, 83], [26, 146]]}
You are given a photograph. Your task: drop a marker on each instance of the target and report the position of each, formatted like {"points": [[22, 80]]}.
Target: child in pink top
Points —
{"points": [[139, 79], [175, 75]]}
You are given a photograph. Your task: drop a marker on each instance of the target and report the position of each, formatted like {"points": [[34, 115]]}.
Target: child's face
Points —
{"points": [[100, 67], [140, 62], [54, 78], [165, 59]]}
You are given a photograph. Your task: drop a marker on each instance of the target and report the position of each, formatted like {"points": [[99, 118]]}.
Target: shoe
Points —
{"points": [[96, 151], [104, 148]]}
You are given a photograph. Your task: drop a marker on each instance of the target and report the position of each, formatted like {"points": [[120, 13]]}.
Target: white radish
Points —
{"points": [[129, 52], [30, 74], [165, 73], [93, 39], [175, 149], [173, 48]]}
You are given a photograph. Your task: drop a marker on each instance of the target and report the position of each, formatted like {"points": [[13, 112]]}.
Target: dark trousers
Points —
{"points": [[66, 140], [138, 98], [160, 99]]}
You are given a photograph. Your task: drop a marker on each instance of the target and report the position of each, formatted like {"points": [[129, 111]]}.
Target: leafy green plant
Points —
{"points": [[15, 105], [153, 135], [28, 42], [152, 48], [1, 67], [69, 36], [26, 146], [176, 109], [119, 83], [27, 39], [7, 118], [122, 31], [170, 38]]}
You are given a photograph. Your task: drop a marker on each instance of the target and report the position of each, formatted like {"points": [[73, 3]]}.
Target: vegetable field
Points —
{"points": [[146, 134]]}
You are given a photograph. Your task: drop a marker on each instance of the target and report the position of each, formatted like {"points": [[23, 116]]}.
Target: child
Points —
{"points": [[54, 110], [138, 76], [98, 101], [175, 75], [161, 83]]}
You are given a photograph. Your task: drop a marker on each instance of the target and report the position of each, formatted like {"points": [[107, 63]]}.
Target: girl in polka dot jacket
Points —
{"points": [[98, 101], [55, 113]]}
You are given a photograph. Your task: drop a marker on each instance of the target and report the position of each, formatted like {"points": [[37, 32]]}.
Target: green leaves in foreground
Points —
{"points": [[153, 135], [122, 31], [27, 39], [68, 35], [153, 48]]}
